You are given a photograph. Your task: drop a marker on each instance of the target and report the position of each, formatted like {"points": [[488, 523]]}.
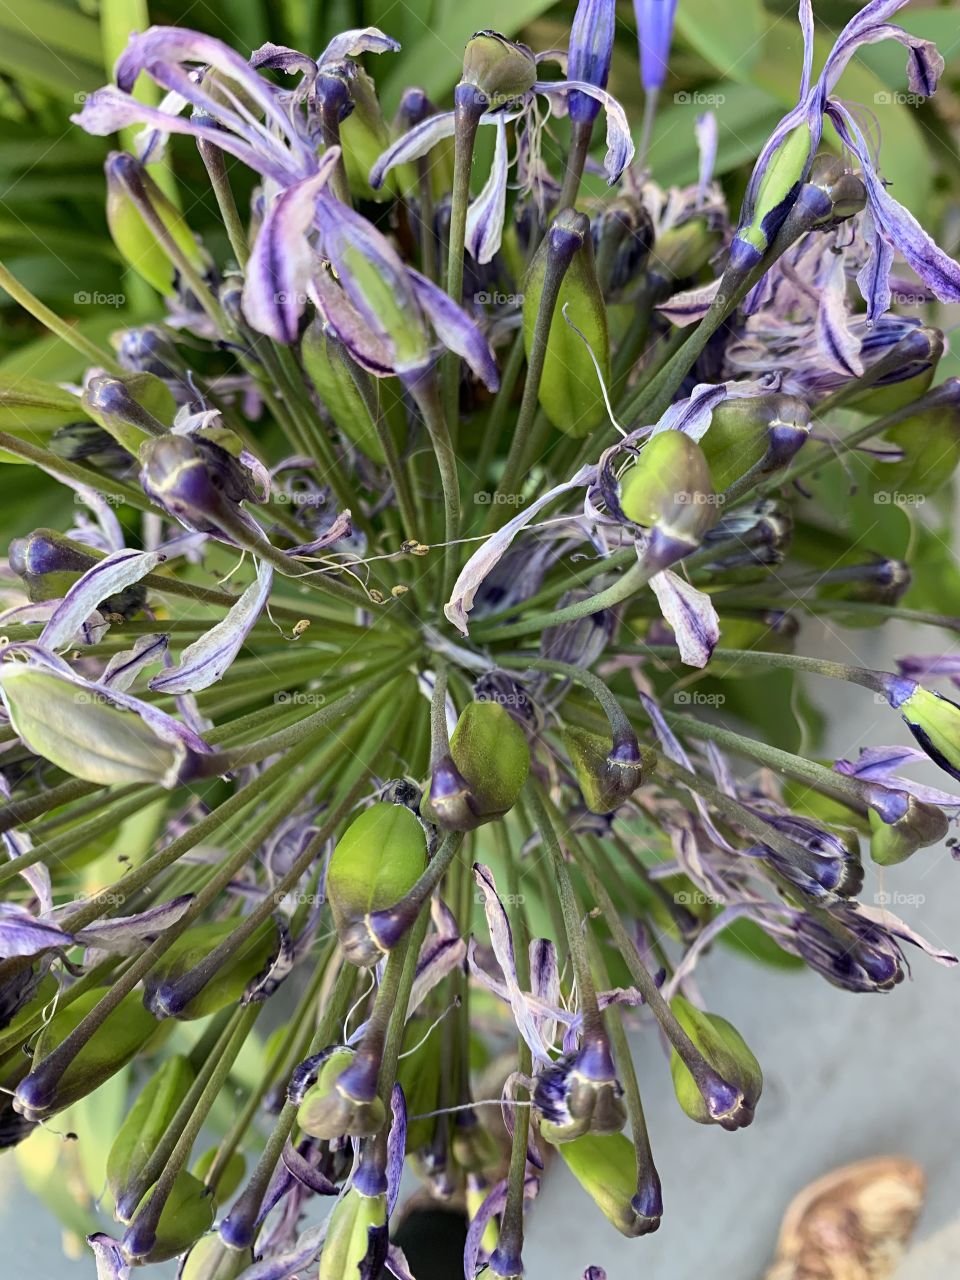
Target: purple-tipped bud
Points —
{"points": [[580, 1093], [590, 52], [195, 480], [655, 33]]}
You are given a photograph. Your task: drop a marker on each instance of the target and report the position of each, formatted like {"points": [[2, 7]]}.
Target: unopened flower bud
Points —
{"points": [[622, 240], [605, 1165], [590, 53], [195, 480], [669, 491], [148, 350], [163, 994], [727, 1054], [770, 196], [684, 250], [97, 449], [920, 825], [608, 774], [132, 409], [485, 772], [48, 563], [579, 1093], [901, 359], [376, 862], [562, 280], [187, 1214], [356, 1240], [500, 68], [754, 431], [130, 190], [343, 1101]]}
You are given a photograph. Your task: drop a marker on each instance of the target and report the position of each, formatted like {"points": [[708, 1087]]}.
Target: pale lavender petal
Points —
{"points": [[689, 306], [493, 1204], [924, 65], [439, 956], [109, 576], [280, 57], [705, 131], [111, 1264], [873, 279], [124, 935], [806, 27], [416, 142], [342, 527], [893, 924], [491, 552], [350, 44], [273, 289], [620, 148], [22, 934], [396, 1146], [456, 330], [123, 668], [876, 764], [300, 1168], [545, 983], [205, 661], [397, 1263], [692, 415], [486, 214], [837, 343], [368, 348], [501, 939]]}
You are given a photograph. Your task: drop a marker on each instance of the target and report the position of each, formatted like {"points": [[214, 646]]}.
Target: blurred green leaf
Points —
{"points": [[731, 46]]}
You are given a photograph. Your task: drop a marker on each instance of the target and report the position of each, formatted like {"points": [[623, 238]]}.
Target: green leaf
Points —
{"points": [[732, 46]]}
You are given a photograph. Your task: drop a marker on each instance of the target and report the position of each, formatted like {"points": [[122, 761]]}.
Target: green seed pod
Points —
{"points": [[921, 825], [228, 984], [117, 1041], [376, 862], [752, 430], [935, 722], [325, 365], [129, 184], [146, 1124], [328, 1111], [608, 775], [485, 772], [844, 194], [355, 1219], [211, 1259], [605, 1165], [570, 392], [231, 1177], [86, 736], [669, 490], [726, 1052], [500, 68], [186, 1216]]}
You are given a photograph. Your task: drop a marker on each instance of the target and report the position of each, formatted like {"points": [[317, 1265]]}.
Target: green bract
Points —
{"points": [[146, 1124]]}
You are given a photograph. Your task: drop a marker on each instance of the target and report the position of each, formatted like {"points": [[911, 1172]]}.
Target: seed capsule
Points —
{"points": [[570, 391], [608, 775], [919, 826], [726, 1052], [117, 1041], [500, 68], [376, 862], [211, 1259], [144, 1127], [763, 431], [605, 1165], [331, 1108], [669, 491], [485, 772], [580, 1094], [226, 987], [933, 720]]}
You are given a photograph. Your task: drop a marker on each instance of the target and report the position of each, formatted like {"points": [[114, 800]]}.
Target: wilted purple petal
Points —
{"points": [[416, 142], [111, 1264], [691, 614], [396, 1146], [689, 306], [439, 956], [620, 148], [486, 214], [342, 527], [488, 556], [501, 939], [545, 983], [273, 290], [706, 134], [123, 668], [22, 934], [280, 57], [893, 924], [837, 343], [369, 348], [456, 330], [300, 1168], [205, 661], [109, 576], [869, 26], [398, 1265], [124, 935], [350, 44]]}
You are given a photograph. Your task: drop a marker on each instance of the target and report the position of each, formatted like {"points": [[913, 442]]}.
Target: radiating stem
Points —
{"points": [[50, 320]]}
